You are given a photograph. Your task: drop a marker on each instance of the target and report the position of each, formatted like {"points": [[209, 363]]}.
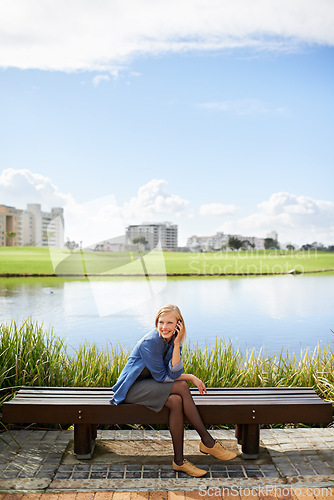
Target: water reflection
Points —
{"points": [[280, 311]]}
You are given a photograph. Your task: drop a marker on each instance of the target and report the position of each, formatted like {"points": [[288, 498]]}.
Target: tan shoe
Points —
{"points": [[189, 468], [218, 451]]}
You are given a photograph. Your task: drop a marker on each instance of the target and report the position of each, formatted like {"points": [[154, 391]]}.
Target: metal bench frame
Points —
{"points": [[246, 407]]}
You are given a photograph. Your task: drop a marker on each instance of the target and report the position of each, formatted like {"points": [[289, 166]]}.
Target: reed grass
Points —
{"points": [[30, 355], [225, 366]]}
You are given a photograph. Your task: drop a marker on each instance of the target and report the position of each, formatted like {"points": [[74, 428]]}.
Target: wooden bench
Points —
{"points": [[245, 407]]}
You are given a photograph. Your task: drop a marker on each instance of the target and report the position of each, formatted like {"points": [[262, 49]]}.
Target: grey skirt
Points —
{"points": [[150, 393]]}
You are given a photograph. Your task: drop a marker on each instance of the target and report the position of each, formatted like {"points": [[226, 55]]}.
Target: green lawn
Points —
{"points": [[247, 262], [33, 260], [25, 260]]}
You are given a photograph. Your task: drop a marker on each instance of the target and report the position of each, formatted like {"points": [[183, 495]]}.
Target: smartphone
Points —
{"points": [[176, 331]]}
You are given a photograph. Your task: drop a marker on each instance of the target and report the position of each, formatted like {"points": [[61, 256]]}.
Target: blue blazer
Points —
{"points": [[153, 352]]}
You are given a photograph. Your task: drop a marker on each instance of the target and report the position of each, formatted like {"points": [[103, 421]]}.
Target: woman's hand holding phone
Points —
{"points": [[178, 330]]}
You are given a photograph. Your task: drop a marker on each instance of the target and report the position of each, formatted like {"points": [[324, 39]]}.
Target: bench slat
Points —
{"points": [[309, 392], [204, 400], [91, 399], [210, 389], [222, 396]]}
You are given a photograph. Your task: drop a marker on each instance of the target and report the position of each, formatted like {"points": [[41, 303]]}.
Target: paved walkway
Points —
{"points": [[293, 463], [299, 493]]}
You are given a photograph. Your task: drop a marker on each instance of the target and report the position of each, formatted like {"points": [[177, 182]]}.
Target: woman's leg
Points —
{"points": [[176, 425], [190, 410]]}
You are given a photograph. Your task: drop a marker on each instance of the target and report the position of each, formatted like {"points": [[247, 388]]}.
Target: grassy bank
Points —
{"points": [[33, 260], [31, 356]]}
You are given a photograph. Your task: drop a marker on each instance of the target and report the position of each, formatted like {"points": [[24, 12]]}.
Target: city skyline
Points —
{"points": [[35, 227], [213, 115]]}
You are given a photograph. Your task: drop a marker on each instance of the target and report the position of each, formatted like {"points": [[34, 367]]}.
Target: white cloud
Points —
{"points": [[298, 205], [300, 219], [100, 78], [95, 220], [242, 107], [217, 209], [101, 36], [17, 186], [152, 200], [83, 222]]}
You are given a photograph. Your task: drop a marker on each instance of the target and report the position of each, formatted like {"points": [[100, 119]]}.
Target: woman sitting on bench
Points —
{"points": [[153, 377]]}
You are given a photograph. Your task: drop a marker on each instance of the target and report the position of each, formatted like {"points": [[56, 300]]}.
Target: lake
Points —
{"points": [[277, 312]]}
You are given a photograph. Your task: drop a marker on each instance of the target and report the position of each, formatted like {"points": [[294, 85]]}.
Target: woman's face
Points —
{"points": [[166, 325]]}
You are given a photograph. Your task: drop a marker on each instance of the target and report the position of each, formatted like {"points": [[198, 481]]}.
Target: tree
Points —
{"points": [[11, 235], [313, 246], [290, 247], [270, 243], [140, 240], [246, 244], [71, 245], [234, 243]]}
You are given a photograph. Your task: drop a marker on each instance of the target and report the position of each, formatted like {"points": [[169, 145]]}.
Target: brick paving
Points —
{"points": [[302, 493], [294, 463]]}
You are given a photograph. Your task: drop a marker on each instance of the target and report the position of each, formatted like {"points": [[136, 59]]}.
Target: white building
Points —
{"points": [[219, 241], [273, 235], [206, 243], [251, 242], [117, 244], [43, 229], [165, 232]]}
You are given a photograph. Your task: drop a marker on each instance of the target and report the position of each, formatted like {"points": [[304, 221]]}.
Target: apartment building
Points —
{"points": [[215, 242], [43, 229], [165, 232], [10, 226], [220, 241]]}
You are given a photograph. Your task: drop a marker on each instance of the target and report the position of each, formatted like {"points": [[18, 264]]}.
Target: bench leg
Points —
{"points": [[238, 433], [250, 441], [84, 440]]}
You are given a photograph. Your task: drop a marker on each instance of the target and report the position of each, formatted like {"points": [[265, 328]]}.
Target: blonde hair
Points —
{"points": [[170, 308]]}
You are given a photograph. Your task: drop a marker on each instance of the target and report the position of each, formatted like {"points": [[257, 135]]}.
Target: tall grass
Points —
{"points": [[29, 355], [94, 367], [225, 366]]}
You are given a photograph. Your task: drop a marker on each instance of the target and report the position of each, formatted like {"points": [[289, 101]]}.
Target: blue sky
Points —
{"points": [[220, 122]]}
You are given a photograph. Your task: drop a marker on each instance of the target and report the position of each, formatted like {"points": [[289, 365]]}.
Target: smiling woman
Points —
{"points": [[153, 376], [169, 322]]}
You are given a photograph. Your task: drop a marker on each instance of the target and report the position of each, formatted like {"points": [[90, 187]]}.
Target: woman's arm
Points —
{"points": [[188, 377], [151, 354], [176, 358]]}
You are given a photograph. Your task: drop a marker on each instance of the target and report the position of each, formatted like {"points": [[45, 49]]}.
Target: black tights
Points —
{"points": [[180, 403]]}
